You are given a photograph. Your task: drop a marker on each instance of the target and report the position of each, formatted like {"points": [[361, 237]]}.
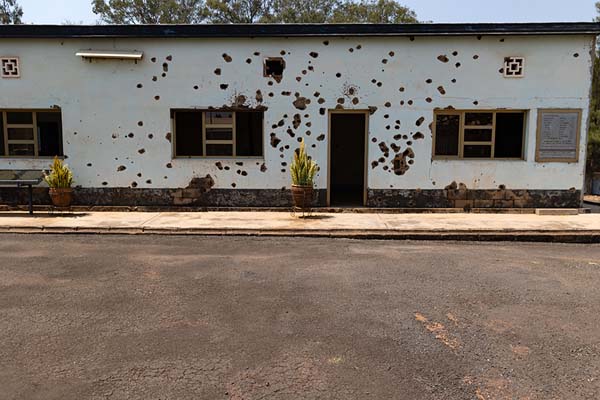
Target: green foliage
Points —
{"points": [[237, 11], [374, 12], [150, 11], [295, 12], [251, 11], [10, 12], [303, 168], [60, 175]]}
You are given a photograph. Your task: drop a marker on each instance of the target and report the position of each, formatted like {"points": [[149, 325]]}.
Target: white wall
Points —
{"points": [[101, 98]]}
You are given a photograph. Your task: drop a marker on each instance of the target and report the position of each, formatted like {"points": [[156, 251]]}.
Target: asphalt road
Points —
{"points": [[150, 317]]}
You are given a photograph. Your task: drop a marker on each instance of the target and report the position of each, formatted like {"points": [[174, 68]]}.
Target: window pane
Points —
{"points": [[49, 134], [219, 118], [478, 135], [20, 133], [19, 118], [1, 134], [478, 119], [447, 128], [219, 150], [509, 135], [249, 133], [21, 150], [188, 133], [219, 134], [477, 151]]}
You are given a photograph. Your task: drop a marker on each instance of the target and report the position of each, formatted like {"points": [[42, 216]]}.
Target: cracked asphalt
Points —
{"points": [[168, 317]]}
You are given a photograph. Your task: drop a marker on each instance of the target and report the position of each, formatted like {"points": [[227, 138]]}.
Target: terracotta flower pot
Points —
{"points": [[61, 197], [302, 196]]}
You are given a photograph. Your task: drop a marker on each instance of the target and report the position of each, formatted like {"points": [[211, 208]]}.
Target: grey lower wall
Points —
{"points": [[450, 197], [474, 198], [164, 197]]}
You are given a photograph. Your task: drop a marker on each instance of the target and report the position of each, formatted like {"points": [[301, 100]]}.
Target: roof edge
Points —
{"points": [[295, 30]]}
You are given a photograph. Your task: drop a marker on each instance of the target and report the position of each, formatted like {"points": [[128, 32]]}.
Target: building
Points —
{"points": [[432, 115]]}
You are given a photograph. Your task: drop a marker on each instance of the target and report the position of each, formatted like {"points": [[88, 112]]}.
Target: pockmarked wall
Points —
{"points": [[117, 131]]}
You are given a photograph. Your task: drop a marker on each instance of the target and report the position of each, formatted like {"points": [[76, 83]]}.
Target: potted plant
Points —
{"points": [[303, 170], [60, 180]]}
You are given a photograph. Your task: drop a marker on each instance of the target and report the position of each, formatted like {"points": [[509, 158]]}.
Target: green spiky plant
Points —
{"points": [[60, 175], [303, 168]]}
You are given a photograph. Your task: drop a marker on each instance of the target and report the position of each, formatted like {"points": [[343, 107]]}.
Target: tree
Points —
{"points": [[373, 12], [150, 11], [593, 153], [10, 12], [308, 11], [238, 11], [251, 11]]}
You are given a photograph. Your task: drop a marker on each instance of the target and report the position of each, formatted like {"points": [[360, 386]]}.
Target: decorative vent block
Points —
{"points": [[514, 67], [10, 67]]}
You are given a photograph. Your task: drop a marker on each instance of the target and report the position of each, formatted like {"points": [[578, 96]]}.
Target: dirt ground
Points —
{"points": [[166, 317]]}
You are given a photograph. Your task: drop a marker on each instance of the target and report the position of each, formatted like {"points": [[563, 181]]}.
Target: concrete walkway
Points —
{"points": [[574, 228]]}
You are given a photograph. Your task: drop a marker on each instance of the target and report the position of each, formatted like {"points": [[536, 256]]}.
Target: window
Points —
{"points": [[273, 67], [479, 134], [514, 67], [9, 67], [30, 133], [218, 133]]}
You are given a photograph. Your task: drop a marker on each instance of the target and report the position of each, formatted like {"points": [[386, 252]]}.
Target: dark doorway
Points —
{"points": [[347, 159]]}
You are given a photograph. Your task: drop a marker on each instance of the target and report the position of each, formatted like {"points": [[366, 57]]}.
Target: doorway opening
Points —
{"points": [[347, 137]]}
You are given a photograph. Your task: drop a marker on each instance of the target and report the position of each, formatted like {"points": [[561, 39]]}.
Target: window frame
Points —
{"points": [[34, 126], [492, 143], [232, 142]]}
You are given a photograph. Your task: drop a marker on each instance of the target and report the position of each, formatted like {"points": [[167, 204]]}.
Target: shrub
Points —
{"points": [[60, 175], [303, 168]]}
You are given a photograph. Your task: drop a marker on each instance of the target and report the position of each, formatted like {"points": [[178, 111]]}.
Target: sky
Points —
{"points": [[80, 11]]}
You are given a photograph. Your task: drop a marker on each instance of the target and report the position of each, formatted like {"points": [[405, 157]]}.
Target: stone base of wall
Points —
{"points": [[378, 198], [473, 198], [164, 197]]}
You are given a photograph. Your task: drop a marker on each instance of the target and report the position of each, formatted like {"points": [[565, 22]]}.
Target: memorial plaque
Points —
{"points": [[558, 135]]}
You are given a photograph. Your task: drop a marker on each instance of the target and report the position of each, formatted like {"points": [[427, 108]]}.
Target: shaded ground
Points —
{"points": [[151, 317]]}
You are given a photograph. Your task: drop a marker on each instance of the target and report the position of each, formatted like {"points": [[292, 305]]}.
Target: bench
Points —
{"points": [[20, 178]]}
